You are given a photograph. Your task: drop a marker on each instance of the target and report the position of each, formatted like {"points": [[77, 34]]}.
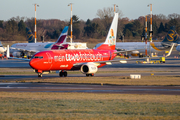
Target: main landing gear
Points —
{"points": [[89, 75], [63, 73]]}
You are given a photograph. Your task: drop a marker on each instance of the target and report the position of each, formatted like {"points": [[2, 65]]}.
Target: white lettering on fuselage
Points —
{"points": [[80, 57], [64, 66]]}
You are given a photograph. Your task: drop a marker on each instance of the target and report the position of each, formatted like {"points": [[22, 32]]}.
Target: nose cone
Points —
{"points": [[41, 61], [35, 63]]}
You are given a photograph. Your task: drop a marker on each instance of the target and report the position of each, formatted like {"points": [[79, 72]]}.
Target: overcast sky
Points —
{"points": [[84, 9]]}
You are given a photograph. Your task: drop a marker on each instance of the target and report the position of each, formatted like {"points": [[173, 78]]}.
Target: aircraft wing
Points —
{"points": [[109, 62], [24, 59], [124, 51], [24, 50]]}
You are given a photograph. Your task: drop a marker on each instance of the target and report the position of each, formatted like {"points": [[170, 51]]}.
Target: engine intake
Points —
{"points": [[16, 54], [88, 69]]}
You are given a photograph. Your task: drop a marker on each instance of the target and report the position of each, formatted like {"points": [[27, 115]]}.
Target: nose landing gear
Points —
{"points": [[39, 74]]}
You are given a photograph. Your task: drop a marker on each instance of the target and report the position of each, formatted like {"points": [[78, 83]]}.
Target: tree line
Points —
{"points": [[97, 28]]}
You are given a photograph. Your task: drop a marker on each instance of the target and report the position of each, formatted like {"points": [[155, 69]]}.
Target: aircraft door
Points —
{"points": [[49, 58], [49, 61]]}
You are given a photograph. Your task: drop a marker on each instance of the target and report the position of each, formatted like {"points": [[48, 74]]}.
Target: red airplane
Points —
{"points": [[86, 60]]}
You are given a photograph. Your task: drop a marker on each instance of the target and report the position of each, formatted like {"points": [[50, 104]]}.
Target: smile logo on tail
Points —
{"points": [[172, 36], [111, 40]]}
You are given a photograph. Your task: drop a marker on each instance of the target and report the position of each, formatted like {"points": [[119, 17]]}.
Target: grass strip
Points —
{"points": [[114, 80], [88, 106]]}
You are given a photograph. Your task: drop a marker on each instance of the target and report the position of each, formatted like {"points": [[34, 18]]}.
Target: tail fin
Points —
{"points": [[172, 36], [30, 36], [110, 42], [61, 39]]}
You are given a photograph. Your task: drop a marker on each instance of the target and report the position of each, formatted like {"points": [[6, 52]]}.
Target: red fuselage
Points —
{"points": [[69, 59]]}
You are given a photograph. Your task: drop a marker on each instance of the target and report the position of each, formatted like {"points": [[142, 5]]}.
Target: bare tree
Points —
{"points": [[108, 12], [174, 16]]}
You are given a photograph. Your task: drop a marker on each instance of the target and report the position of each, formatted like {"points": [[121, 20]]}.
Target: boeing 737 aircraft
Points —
{"points": [[166, 44], [86, 60]]}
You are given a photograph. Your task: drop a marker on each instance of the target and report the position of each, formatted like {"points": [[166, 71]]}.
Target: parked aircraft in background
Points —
{"points": [[29, 49], [178, 39], [86, 60], [30, 36], [178, 48], [171, 37], [138, 48], [2, 49]]}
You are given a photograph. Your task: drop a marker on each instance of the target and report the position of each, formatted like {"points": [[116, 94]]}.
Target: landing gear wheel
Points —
{"points": [[62, 73], [90, 74], [65, 74], [39, 74]]}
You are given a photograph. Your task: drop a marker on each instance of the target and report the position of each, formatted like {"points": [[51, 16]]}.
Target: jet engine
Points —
{"points": [[135, 53], [178, 48], [89, 68], [16, 54]]}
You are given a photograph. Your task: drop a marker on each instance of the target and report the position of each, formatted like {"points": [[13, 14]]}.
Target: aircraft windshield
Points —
{"points": [[40, 57]]}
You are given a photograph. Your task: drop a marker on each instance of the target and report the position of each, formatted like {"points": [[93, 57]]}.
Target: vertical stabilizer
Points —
{"points": [[110, 42], [171, 37], [30, 36], [61, 39]]}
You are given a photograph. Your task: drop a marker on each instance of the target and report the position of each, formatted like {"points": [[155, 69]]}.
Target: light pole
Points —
{"points": [[115, 8], [150, 31], [70, 4], [146, 34], [35, 23]]}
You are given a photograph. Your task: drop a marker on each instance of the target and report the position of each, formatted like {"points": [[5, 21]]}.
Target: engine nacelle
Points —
{"points": [[89, 68], [178, 48], [135, 53], [16, 54]]}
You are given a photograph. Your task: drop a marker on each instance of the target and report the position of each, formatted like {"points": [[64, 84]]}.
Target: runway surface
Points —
{"points": [[45, 76], [170, 62], [49, 87], [171, 67]]}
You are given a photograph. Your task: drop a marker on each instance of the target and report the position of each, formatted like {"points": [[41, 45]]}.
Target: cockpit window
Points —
{"points": [[40, 57]]}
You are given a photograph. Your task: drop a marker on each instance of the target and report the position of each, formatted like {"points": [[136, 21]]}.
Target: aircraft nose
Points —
{"points": [[41, 61], [33, 64]]}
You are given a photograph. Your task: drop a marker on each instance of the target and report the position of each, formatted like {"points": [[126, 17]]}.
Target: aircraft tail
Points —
{"points": [[171, 37], [30, 36], [61, 39], [110, 42]]}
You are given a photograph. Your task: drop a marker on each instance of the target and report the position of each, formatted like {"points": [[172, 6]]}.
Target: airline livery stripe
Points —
{"points": [[152, 44]]}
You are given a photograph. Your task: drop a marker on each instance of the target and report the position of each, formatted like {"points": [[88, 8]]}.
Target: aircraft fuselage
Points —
{"points": [[67, 59]]}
